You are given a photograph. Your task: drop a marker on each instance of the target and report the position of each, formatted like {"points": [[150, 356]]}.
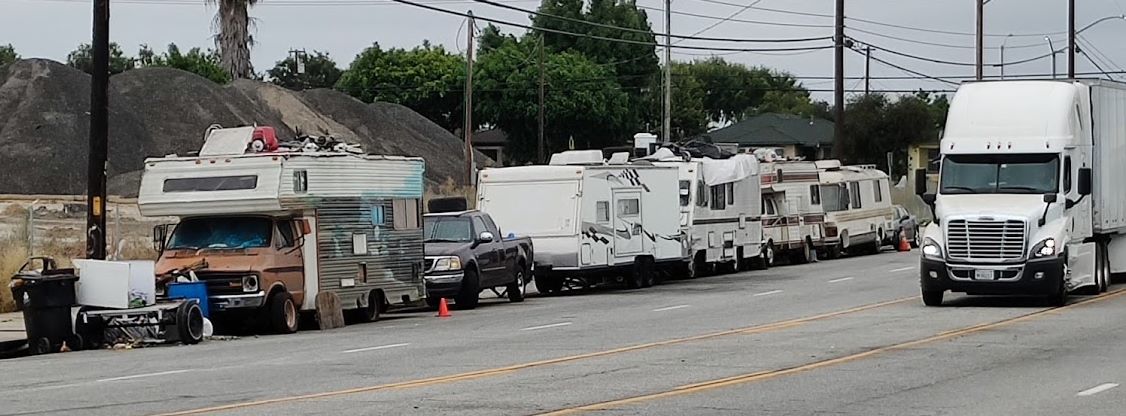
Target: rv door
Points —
{"points": [[628, 238]]}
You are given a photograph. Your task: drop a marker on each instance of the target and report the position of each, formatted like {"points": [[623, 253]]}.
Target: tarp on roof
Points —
{"points": [[733, 169]]}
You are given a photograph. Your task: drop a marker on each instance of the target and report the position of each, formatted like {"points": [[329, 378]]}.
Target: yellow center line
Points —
{"points": [[776, 326], [769, 374]]}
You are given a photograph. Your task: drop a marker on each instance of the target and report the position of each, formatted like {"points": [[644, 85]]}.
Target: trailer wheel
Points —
{"points": [[649, 274], [189, 323], [282, 313], [370, 313], [547, 284], [636, 277], [470, 292], [516, 288], [1103, 266]]}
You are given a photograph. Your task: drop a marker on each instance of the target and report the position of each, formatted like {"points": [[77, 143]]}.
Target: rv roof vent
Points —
{"points": [[451, 204], [619, 158], [577, 157], [831, 164]]}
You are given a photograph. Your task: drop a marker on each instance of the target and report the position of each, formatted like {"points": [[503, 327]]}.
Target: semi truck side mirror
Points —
{"points": [[920, 181], [1084, 185]]}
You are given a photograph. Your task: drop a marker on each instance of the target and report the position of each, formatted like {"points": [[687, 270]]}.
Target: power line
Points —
{"points": [[1098, 52], [646, 31], [906, 70], [596, 37], [726, 19], [944, 45]]}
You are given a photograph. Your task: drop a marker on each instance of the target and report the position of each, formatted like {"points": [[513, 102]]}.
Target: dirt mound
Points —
{"points": [[157, 111]]}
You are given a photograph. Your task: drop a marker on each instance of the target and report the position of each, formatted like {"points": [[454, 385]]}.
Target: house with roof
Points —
{"points": [[810, 138]]}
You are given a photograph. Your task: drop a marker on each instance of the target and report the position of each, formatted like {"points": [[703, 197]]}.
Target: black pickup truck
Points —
{"points": [[466, 253]]}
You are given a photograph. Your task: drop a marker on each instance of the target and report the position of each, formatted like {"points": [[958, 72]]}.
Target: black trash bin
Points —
{"points": [[46, 301]]}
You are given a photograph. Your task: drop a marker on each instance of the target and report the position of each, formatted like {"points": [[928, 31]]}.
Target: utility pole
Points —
{"points": [[980, 36], [867, 69], [541, 122], [838, 78], [666, 131], [99, 136], [1071, 39], [467, 129]]}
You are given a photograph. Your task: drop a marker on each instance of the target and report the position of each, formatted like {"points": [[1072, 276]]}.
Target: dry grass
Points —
{"points": [[450, 189]]}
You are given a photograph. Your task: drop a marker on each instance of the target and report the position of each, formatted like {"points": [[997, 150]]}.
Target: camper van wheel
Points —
{"points": [[516, 288], [189, 323], [282, 313], [370, 313], [768, 255], [470, 291]]}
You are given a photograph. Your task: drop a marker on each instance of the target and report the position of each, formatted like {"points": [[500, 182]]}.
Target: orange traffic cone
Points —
{"points": [[443, 310], [903, 244]]}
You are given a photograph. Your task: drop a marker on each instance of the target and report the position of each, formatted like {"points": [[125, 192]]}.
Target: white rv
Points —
{"points": [[857, 205], [270, 231], [720, 207], [793, 221], [589, 220]]}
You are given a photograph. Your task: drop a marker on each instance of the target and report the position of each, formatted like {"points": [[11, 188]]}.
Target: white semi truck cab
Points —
{"points": [[1030, 199]]}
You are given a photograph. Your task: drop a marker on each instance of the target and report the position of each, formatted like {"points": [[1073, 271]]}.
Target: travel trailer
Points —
{"points": [[591, 221], [1028, 201], [857, 205], [793, 221], [268, 228], [720, 206]]}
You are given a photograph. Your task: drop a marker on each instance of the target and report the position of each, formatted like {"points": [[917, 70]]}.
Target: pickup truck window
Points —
{"points": [[1000, 174], [447, 230], [478, 226], [222, 233]]}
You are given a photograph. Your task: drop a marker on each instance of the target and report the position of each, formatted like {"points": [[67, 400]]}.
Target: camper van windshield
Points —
{"points": [[1000, 174], [222, 233], [448, 230]]}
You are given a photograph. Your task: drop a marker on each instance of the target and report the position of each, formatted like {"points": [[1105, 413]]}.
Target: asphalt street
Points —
{"points": [[847, 336]]}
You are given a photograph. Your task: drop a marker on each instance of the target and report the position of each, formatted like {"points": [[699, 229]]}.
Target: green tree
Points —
{"points": [[582, 99], [196, 61], [876, 125], [634, 66], [320, 72], [689, 115], [732, 91], [83, 59], [234, 39], [428, 79], [8, 55]]}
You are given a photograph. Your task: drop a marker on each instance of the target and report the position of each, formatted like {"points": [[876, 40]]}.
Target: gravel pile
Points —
{"points": [[157, 111]]}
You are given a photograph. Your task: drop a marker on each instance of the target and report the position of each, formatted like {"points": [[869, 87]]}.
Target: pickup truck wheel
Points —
{"points": [[932, 297], [470, 291], [282, 313], [516, 288]]}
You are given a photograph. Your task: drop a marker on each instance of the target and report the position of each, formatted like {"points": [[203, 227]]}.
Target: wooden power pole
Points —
{"points": [[666, 130], [541, 146], [467, 129], [99, 136], [1070, 39], [838, 78], [980, 44], [867, 70]]}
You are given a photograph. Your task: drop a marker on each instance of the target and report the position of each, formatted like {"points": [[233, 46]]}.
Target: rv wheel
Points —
{"points": [[282, 313], [370, 313]]}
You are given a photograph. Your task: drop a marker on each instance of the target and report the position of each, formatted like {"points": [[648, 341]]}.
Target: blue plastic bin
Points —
{"points": [[192, 290]]}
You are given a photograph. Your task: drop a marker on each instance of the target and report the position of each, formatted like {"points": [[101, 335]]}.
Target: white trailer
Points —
{"points": [[283, 227], [1029, 199], [720, 210], [589, 220], [857, 205], [793, 221]]}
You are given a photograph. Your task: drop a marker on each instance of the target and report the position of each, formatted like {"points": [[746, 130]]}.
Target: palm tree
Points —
{"points": [[234, 39]]}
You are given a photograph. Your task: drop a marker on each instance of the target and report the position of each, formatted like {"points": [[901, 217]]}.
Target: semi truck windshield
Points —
{"points": [[1000, 174]]}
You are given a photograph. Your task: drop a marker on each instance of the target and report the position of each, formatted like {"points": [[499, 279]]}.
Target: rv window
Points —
{"points": [[222, 233], [685, 192], [854, 188], [405, 213], [602, 211], [377, 215], [833, 199], [731, 193], [629, 207], [768, 206], [217, 183], [877, 191], [285, 229], [814, 195], [719, 197], [701, 194], [300, 181]]}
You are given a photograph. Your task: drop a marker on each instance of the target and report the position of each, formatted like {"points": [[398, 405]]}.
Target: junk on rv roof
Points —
{"points": [[219, 141]]}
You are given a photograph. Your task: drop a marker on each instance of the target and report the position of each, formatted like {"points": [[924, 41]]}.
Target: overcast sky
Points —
{"points": [[52, 28]]}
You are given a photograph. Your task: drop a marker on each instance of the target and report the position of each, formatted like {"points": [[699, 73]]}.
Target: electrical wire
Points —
{"points": [[595, 37], [645, 31], [943, 45], [905, 69], [726, 19]]}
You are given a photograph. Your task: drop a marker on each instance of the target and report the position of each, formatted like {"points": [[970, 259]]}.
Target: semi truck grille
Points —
{"points": [[985, 240]]}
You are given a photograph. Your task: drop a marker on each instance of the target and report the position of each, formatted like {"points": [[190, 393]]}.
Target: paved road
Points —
{"points": [[836, 337]]}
